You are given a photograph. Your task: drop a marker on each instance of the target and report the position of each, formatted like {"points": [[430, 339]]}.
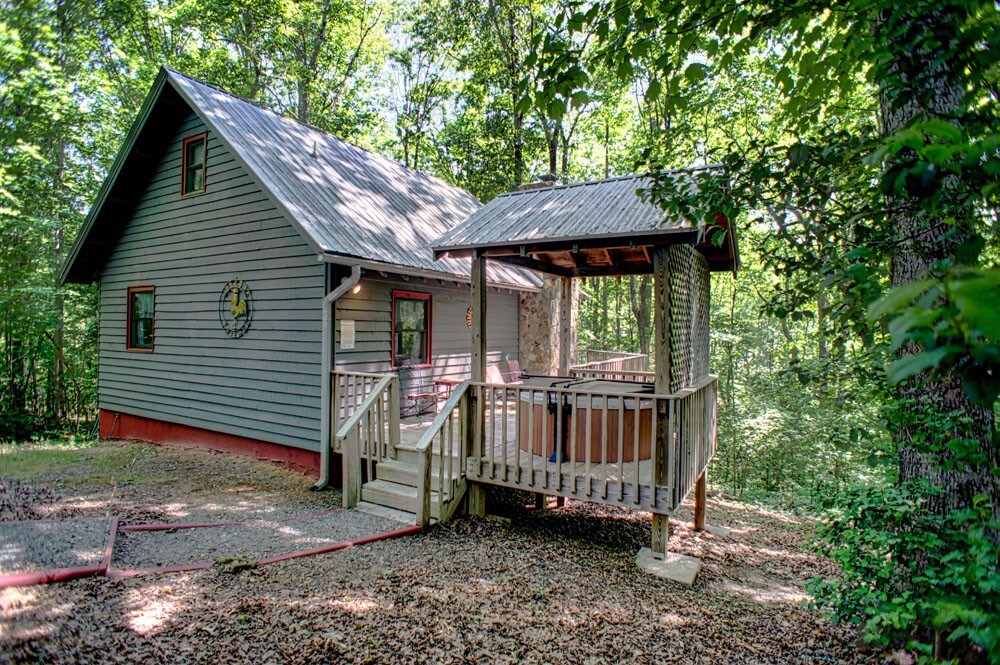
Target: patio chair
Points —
{"points": [[514, 375], [493, 375]]}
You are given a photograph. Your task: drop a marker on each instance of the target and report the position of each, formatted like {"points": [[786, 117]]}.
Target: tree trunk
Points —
{"points": [[920, 242]]}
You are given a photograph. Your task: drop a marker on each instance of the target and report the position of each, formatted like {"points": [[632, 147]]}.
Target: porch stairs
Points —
{"points": [[396, 480]]}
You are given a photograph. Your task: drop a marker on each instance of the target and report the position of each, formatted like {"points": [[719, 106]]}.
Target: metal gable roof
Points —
{"points": [[346, 201], [588, 229], [596, 208]]}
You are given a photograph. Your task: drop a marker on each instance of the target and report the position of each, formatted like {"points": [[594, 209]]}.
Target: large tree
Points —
{"points": [[905, 200]]}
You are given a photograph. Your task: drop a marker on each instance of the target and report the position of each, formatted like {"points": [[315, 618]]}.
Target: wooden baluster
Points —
{"points": [[493, 433], [571, 439], [449, 460], [503, 431], [588, 443], [604, 446], [559, 429], [621, 448], [635, 449], [533, 440], [671, 454]]}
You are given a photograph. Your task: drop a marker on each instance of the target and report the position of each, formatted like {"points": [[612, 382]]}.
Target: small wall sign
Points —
{"points": [[468, 317], [236, 308], [346, 334]]}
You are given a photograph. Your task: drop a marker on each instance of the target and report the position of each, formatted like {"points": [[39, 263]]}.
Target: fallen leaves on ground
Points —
{"points": [[549, 586]]}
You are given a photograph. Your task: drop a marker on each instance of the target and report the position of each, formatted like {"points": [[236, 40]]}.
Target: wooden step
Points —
{"points": [[405, 473], [385, 513], [410, 456], [395, 495]]}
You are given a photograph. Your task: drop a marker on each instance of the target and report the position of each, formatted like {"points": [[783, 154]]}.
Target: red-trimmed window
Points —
{"points": [[411, 328], [140, 318], [193, 170]]}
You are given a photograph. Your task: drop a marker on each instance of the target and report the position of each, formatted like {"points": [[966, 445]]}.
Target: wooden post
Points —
{"points": [[479, 341], [395, 395], [699, 501], [475, 496], [424, 491], [661, 345], [351, 461], [566, 315]]}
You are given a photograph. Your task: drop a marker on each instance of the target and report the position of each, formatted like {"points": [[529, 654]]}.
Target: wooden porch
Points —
{"points": [[572, 437]]}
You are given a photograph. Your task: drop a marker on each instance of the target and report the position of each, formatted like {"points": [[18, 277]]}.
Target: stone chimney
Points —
{"points": [[547, 180], [548, 319]]}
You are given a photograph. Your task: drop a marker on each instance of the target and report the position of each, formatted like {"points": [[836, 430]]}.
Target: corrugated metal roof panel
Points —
{"points": [[588, 209], [346, 200]]}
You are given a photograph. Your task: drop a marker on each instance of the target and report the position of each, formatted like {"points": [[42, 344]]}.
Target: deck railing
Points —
{"points": [[440, 449], [369, 435], [618, 367], [348, 392], [586, 356], [638, 450]]}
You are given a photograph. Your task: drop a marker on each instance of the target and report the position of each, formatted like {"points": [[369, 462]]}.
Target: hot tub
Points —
{"points": [[537, 413]]}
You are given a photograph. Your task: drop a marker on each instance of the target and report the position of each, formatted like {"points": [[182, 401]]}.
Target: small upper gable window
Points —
{"points": [[195, 152]]}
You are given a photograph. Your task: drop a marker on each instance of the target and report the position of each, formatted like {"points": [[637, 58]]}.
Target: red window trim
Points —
{"points": [[410, 295], [184, 164], [149, 288]]}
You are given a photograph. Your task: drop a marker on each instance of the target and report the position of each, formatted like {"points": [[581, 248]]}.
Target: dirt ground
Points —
{"points": [[554, 586]]}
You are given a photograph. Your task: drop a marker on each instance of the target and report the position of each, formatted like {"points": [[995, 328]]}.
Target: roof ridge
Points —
{"points": [[312, 128], [632, 176]]}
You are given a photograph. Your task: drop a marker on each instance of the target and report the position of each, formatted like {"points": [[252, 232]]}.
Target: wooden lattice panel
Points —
{"points": [[701, 281], [689, 316]]}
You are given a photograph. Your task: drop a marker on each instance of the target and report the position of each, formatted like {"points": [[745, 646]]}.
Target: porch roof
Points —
{"points": [[585, 229]]}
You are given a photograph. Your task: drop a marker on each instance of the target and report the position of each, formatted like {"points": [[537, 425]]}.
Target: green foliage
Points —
{"points": [[911, 575], [953, 322]]}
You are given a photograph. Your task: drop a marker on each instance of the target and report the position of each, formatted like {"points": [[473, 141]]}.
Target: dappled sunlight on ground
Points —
{"points": [[146, 610], [555, 586], [356, 605]]}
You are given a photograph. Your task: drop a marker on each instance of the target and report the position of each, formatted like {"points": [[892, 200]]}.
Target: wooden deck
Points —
{"points": [[503, 463]]}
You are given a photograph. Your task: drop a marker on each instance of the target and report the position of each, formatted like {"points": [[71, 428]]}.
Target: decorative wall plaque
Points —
{"points": [[236, 308]]}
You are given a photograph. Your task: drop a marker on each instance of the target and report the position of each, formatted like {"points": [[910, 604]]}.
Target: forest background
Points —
{"points": [[800, 102]]}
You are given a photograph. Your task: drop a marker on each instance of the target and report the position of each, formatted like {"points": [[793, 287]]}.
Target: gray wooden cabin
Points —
{"points": [[213, 201]]}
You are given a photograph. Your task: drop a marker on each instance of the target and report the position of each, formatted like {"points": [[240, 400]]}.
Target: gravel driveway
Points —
{"points": [[38, 545], [557, 586]]}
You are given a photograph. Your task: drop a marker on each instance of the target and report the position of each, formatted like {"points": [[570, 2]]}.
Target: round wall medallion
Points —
{"points": [[235, 308]]}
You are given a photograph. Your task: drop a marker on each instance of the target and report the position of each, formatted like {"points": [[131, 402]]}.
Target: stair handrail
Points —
{"points": [[348, 436], [425, 451]]}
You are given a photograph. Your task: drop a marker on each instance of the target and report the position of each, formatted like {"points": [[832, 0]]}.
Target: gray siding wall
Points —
{"points": [[451, 339], [264, 385]]}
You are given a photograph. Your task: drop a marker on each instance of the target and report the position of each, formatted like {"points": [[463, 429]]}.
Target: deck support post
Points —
{"points": [[661, 377], [567, 325], [475, 496], [699, 501]]}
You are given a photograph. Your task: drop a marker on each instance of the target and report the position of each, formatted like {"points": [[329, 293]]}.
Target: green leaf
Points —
{"points": [[696, 71], [798, 154], [909, 366], [556, 108], [897, 298], [653, 91]]}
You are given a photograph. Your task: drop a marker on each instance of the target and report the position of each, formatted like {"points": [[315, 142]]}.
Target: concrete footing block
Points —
{"points": [[719, 531], [674, 567]]}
